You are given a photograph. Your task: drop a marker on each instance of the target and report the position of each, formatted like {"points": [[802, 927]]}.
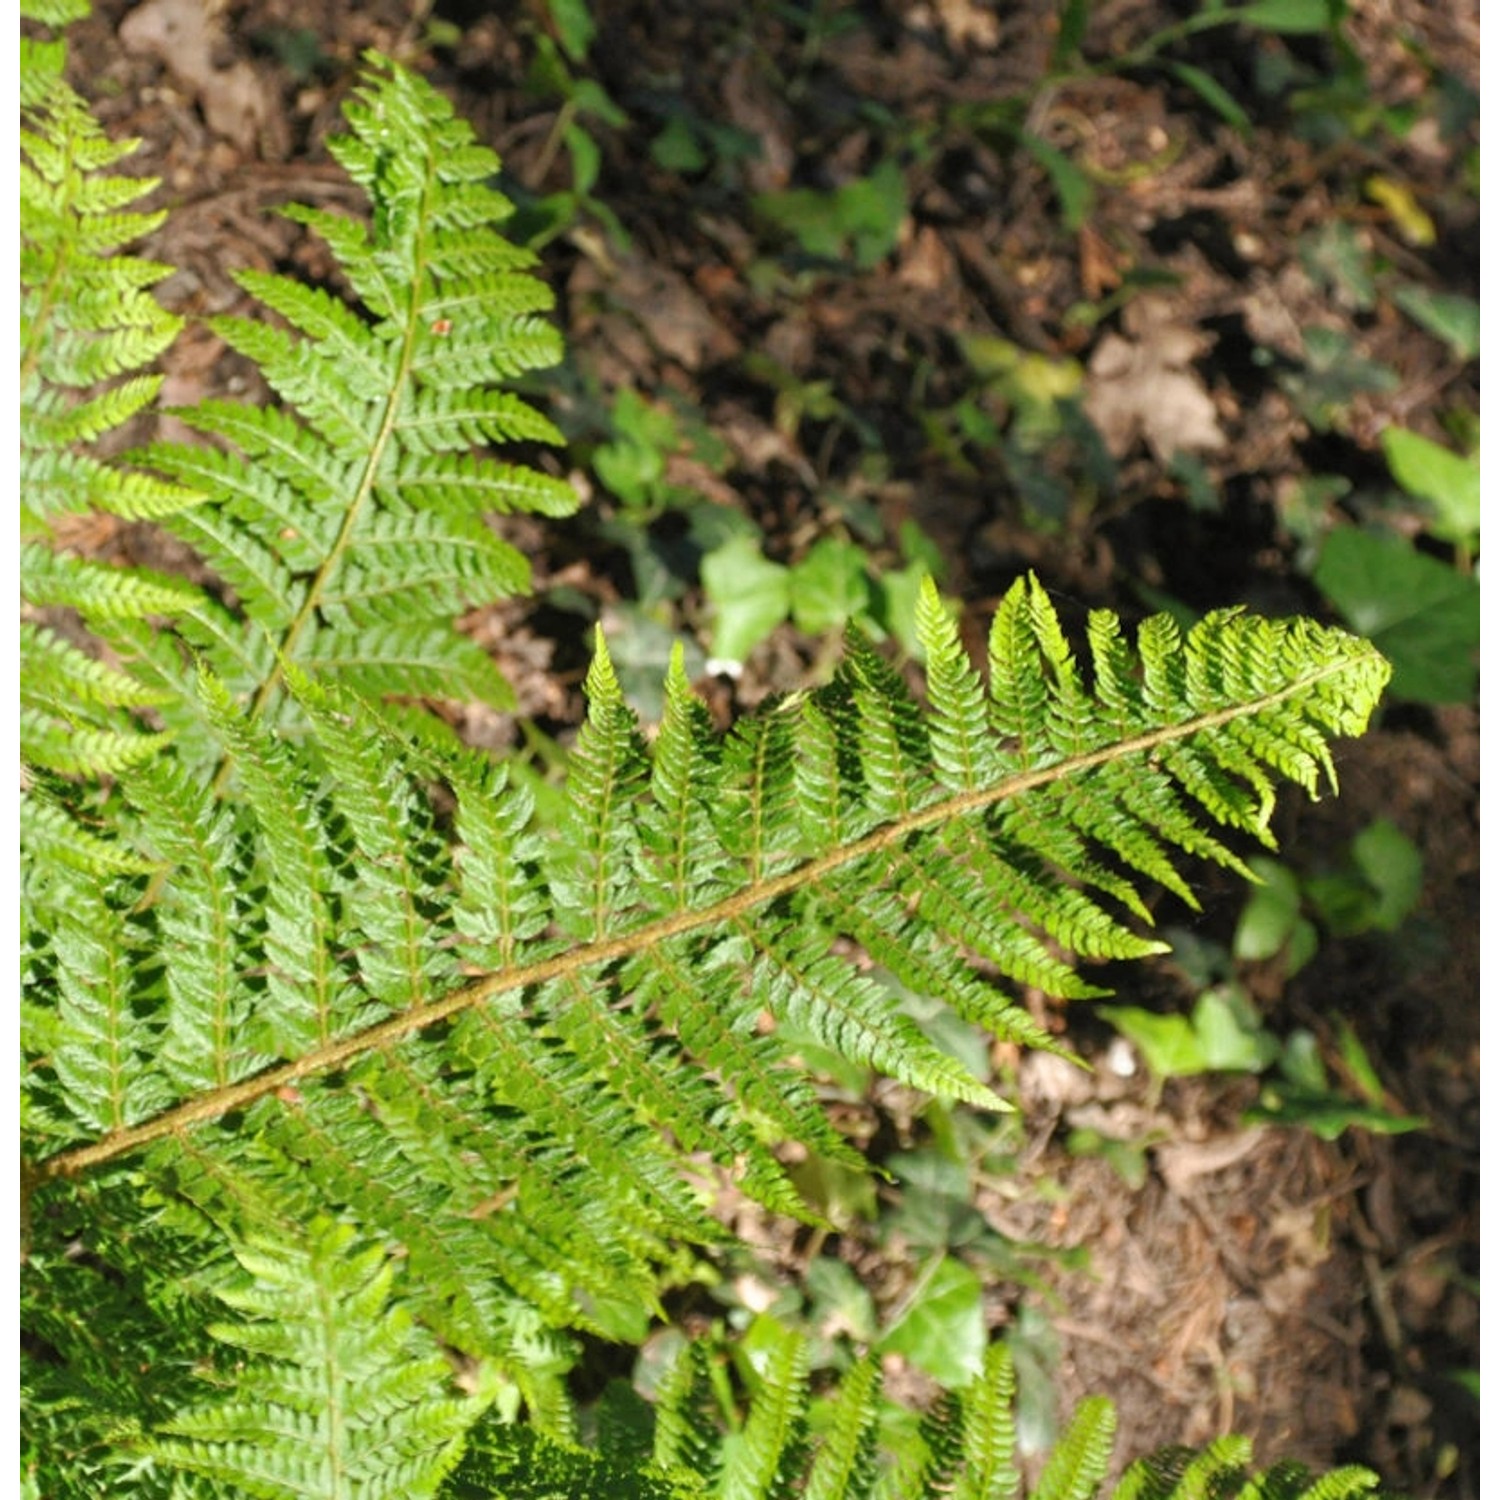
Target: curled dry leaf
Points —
{"points": [[1144, 386], [184, 35]]}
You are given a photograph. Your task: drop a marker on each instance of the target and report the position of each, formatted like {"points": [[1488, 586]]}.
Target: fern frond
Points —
{"points": [[1211, 1471], [686, 1436], [340, 1394], [1223, 1469], [988, 1442], [89, 326], [99, 1281], [844, 1467], [764, 1459], [674, 974], [1077, 1464], [86, 312], [1341, 1484], [352, 531]]}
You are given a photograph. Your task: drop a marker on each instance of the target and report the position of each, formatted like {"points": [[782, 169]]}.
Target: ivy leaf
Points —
{"points": [[829, 587], [751, 596], [1422, 616], [942, 1330], [1451, 318], [1272, 919], [1448, 481]]}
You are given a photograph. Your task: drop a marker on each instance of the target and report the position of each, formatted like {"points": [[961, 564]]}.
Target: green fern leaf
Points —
{"points": [[763, 1461], [350, 524], [371, 1423], [686, 1439], [988, 1441], [1077, 1463], [845, 1465]]}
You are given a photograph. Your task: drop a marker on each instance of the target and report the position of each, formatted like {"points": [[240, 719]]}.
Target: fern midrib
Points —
{"points": [[384, 1034]]}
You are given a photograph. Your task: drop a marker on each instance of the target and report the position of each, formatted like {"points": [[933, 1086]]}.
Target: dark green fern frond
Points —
{"points": [[765, 1459], [1185, 1473], [352, 528], [114, 1304], [339, 1392], [1223, 1470], [964, 1450], [686, 1437], [517, 1463]]}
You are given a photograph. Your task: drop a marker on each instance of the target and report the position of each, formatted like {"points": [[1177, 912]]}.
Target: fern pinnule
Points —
{"points": [[818, 995], [965, 750], [101, 1035], [206, 927], [56, 840], [592, 872], [683, 863], [310, 996]]}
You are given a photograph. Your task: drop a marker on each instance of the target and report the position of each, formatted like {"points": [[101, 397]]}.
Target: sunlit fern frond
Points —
{"points": [[352, 523]]}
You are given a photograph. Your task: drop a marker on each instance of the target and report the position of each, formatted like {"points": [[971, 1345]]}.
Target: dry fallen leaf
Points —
{"points": [[184, 35], [965, 23], [1145, 386]]}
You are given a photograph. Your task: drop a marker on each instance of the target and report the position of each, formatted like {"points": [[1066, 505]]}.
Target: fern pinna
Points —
{"points": [[322, 1023]]}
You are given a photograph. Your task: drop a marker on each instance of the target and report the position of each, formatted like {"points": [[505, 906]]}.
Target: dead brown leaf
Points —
{"points": [[185, 36], [1144, 386]]}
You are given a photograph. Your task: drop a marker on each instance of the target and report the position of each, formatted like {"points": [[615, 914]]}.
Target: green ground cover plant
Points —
{"points": [[356, 1091]]}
